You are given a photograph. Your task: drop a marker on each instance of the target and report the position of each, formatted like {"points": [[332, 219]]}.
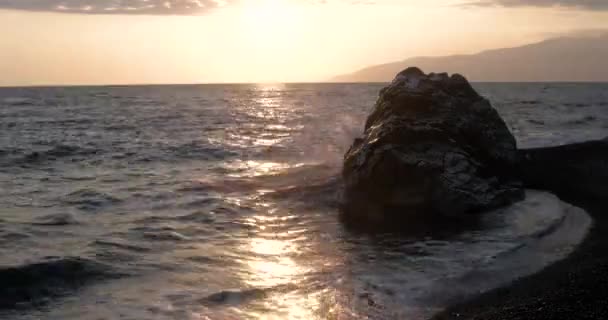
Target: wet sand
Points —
{"points": [[573, 288]]}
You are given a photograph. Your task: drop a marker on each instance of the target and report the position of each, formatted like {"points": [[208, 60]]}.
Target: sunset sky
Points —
{"points": [[199, 41]]}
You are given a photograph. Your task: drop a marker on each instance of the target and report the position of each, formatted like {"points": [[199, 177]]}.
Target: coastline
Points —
{"points": [[572, 288]]}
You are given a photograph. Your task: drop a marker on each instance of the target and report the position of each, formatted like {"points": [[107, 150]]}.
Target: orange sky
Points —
{"points": [[259, 40]]}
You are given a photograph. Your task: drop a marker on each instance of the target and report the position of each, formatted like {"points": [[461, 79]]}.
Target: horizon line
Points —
{"points": [[33, 86]]}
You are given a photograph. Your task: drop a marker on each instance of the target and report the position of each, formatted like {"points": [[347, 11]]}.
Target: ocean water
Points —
{"points": [[220, 202]]}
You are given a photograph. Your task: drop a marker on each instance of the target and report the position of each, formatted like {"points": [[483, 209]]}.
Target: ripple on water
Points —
{"points": [[165, 235], [55, 153], [18, 101], [200, 151], [203, 202], [118, 244], [199, 216], [234, 297], [90, 199], [222, 201], [8, 237], [57, 219]]}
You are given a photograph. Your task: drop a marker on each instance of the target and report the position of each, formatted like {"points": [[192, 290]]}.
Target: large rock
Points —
{"points": [[432, 147]]}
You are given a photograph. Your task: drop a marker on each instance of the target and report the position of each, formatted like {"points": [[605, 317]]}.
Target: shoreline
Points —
{"points": [[572, 288]]}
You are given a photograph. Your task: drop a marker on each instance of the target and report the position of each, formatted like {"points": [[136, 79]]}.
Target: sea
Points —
{"points": [[222, 202]]}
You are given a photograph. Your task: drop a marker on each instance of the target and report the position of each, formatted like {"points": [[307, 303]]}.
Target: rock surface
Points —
{"points": [[431, 147], [573, 288]]}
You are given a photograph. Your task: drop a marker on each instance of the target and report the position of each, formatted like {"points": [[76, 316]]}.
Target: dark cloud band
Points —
{"points": [[136, 7], [143, 7], [581, 4]]}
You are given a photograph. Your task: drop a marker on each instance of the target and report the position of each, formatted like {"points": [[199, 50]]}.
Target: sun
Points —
{"points": [[273, 33]]}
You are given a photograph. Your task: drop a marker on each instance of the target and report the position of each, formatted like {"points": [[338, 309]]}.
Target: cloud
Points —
{"points": [[137, 7], [598, 5], [142, 7]]}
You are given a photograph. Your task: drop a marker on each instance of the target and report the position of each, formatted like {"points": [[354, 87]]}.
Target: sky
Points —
{"points": [[76, 42]]}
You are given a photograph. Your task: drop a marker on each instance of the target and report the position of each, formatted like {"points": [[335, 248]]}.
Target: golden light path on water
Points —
{"points": [[274, 245], [273, 266], [278, 246], [285, 260], [279, 255]]}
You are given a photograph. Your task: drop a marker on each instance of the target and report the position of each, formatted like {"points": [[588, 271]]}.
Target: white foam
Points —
{"points": [[549, 230], [511, 243]]}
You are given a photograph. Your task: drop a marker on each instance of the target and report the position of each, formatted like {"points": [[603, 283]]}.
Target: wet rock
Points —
{"points": [[431, 147]]}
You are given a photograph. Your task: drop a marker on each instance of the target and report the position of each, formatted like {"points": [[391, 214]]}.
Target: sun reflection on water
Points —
{"points": [[255, 168], [275, 265], [275, 247], [263, 118]]}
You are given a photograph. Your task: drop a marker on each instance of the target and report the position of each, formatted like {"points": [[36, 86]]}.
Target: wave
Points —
{"points": [[323, 193], [34, 284], [171, 153], [577, 105], [530, 102], [537, 122], [199, 151], [57, 219], [166, 236], [8, 151], [165, 233], [67, 122], [120, 127], [55, 153], [233, 297], [198, 216], [202, 203], [237, 297], [552, 244], [224, 185], [584, 120], [120, 245], [62, 150], [18, 101], [9, 237], [90, 199]]}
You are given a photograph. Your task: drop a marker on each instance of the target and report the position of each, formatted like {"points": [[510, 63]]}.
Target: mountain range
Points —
{"points": [[583, 58]]}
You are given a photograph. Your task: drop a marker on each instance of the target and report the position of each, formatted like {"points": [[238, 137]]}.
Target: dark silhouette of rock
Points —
{"points": [[432, 147]]}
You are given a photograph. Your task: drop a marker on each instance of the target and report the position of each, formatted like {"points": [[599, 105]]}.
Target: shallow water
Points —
{"points": [[219, 202]]}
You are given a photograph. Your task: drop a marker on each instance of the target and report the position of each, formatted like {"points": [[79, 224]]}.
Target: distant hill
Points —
{"points": [[559, 59]]}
